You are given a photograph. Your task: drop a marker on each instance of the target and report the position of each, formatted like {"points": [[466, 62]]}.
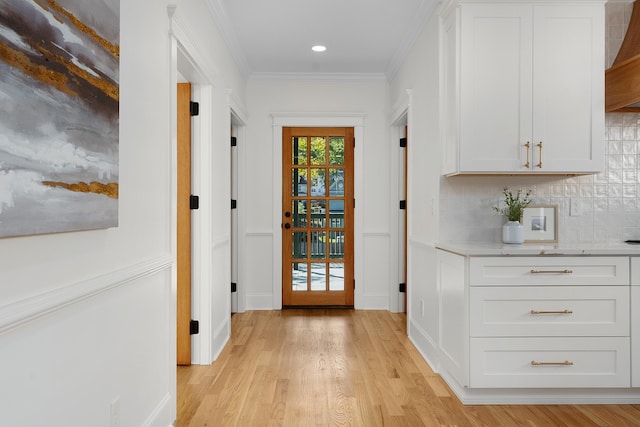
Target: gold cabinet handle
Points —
{"points": [[565, 363], [565, 271], [528, 145], [540, 159], [535, 312]]}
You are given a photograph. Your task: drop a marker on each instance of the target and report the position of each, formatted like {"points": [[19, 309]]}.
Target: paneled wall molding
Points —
{"points": [[259, 233], [30, 309], [376, 234], [221, 242]]}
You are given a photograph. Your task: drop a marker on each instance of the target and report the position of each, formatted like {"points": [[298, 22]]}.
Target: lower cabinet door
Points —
{"points": [[558, 362]]}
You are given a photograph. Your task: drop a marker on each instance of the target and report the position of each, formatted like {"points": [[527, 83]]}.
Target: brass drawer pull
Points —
{"points": [[565, 271], [535, 312], [540, 159], [565, 363], [528, 146]]}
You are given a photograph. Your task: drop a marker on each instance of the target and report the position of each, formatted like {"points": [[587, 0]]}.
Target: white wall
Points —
{"points": [[87, 318], [420, 74], [324, 98]]}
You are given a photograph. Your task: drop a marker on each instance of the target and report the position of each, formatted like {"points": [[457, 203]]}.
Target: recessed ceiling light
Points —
{"points": [[318, 48]]}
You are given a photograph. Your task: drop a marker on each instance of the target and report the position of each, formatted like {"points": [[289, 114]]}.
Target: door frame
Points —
{"points": [[354, 120], [400, 117], [211, 290]]}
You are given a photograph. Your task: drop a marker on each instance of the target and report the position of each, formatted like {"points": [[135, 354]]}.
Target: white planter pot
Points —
{"points": [[512, 232]]}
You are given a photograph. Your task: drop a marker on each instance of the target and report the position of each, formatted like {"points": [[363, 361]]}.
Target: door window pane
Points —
{"points": [[299, 245], [336, 150], [317, 182], [336, 182], [299, 150], [318, 277], [299, 213], [336, 213], [336, 276], [299, 180], [299, 276], [318, 150], [318, 213], [318, 242], [336, 244]]}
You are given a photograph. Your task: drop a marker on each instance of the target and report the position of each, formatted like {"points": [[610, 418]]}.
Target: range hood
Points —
{"points": [[622, 80]]}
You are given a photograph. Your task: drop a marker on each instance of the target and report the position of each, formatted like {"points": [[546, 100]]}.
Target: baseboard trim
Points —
{"points": [[425, 346], [24, 311], [160, 414], [543, 396]]}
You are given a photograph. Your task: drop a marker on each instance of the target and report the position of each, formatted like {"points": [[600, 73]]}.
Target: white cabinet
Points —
{"points": [[527, 322], [635, 321], [635, 336], [523, 87], [549, 322], [564, 362]]}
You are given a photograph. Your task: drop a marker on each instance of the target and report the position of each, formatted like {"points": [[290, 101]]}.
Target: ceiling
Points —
{"points": [[363, 37]]}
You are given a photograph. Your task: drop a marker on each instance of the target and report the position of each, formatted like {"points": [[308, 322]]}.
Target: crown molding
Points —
{"points": [[427, 8], [222, 21]]}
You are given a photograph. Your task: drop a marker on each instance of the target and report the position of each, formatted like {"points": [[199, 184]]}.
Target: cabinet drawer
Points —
{"points": [[546, 270], [549, 311], [549, 362]]}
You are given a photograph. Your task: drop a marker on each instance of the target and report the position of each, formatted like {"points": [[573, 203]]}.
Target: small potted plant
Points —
{"points": [[512, 230]]}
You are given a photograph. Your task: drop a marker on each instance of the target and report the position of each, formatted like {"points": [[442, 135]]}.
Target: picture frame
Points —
{"points": [[540, 224]]}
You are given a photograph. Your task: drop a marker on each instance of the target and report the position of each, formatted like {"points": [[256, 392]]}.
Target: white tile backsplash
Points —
{"points": [[608, 200]]}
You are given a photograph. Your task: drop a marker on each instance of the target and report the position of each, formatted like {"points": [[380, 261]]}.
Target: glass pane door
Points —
{"points": [[318, 216]]}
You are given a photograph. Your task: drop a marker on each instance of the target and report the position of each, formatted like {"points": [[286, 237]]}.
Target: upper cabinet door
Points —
{"points": [[568, 82], [529, 94], [495, 87]]}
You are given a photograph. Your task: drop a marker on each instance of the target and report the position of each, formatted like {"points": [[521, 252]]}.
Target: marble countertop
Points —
{"points": [[529, 249]]}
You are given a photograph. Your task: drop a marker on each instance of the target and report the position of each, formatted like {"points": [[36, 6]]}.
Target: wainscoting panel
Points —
{"points": [[259, 264]]}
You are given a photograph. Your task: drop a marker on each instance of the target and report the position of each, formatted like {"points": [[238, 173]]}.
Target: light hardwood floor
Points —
{"points": [[345, 368]]}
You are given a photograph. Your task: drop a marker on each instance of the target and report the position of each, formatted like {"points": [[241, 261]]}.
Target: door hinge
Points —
{"points": [[234, 204], [354, 283], [194, 327], [403, 142], [194, 108], [403, 204], [402, 287], [234, 287], [194, 202], [234, 141]]}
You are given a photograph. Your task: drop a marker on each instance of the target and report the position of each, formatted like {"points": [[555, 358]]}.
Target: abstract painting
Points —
{"points": [[59, 115]]}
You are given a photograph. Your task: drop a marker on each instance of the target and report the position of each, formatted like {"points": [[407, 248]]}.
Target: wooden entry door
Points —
{"points": [[317, 217]]}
